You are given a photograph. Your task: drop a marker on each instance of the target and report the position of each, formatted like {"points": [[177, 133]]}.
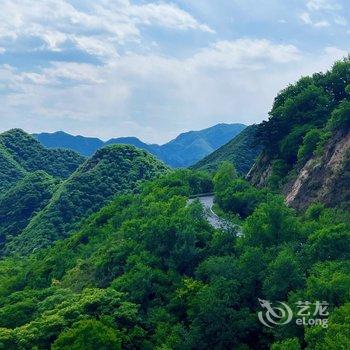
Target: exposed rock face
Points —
{"points": [[260, 172], [324, 179]]}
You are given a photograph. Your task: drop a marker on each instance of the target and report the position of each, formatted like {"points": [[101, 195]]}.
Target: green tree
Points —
{"points": [[310, 142], [330, 281], [288, 344], [336, 336], [340, 118], [219, 321], [283, 275], [88, 335], [328, 243], [271, 224], [224, 177]]}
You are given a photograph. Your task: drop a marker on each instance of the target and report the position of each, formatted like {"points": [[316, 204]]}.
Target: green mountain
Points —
{"points": [[20, 154], [112, 170], [31, 155], [306, 141], [241, 151], [134, 141], [10, 170], [183, 151], [26, 198], [149, 271]]}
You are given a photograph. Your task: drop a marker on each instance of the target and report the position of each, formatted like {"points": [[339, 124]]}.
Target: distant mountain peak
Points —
{"points": [[186, 149]]}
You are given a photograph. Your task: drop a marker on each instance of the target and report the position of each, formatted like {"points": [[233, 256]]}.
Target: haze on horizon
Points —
{"points": [[154, 69]]}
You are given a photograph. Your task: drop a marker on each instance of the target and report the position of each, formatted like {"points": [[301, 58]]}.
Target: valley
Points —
{"points": [[118, 250]]}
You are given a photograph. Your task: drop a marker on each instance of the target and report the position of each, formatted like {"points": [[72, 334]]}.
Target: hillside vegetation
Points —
{"points": [[142, 268], [241, 151], [10, 170], [21, 154], [112, 170], [306, 140], [149, 272], [20, 203], [32, 156]]}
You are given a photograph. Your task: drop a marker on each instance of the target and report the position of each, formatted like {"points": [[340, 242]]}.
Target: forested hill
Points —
{"points": [[20, 153], [146, 270], [307, 141], [112, 170], [10, 170], [242, 151], [22, 201], [185, 150]]}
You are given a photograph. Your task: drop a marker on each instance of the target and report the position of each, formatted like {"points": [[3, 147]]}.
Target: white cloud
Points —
{"points": [[97, 28], [317, 5], [95, 46], [306, 18], [156, 97], [53, 39], [321, 24], [335, 53], [340, 20], [327, 12], [245, 53], [61, 73], [142, 86], [167, 15]]}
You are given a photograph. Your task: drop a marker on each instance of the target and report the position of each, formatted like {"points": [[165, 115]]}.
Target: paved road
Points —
{"points": [[208, 202], [214, 220]]}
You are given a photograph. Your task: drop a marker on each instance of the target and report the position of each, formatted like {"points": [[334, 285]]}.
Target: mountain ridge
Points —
{"points": [[20, 154], [241, 151], [113, 170], [306, 141], [185, 150]]}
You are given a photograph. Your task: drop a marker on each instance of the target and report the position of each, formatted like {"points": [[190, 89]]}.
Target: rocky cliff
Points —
{"points": [[324, 178]]}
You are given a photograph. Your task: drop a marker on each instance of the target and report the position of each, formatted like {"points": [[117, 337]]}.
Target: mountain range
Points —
{"points": [[183, 151], [46, 193], [21, 154], [241, 151], [108, 253]]}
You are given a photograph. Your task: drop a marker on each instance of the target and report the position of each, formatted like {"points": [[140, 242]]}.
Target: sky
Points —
{"points": [[153, 69]]}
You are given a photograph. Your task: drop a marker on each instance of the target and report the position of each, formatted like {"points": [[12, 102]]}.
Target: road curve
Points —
{"points": [[208, 201]]}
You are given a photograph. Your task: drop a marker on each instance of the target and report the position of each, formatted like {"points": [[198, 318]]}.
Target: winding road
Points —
{"points": [[208, 201]]}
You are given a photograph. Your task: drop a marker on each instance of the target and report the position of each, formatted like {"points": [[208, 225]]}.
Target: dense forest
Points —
{"points": [[30, 155], [304, 117], [146, 270], [21, 154], [38, 211], [21, 202]]}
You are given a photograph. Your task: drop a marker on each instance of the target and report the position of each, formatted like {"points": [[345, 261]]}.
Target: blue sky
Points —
{"points": [[153, 69]]}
